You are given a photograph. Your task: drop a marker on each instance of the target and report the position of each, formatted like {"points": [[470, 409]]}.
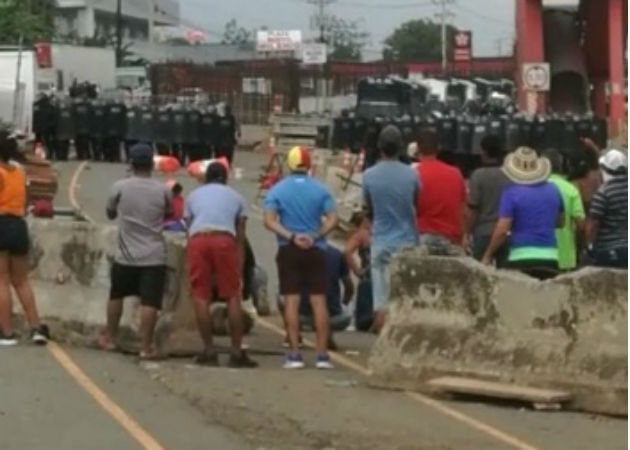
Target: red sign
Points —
{"points": [[462, 46], [43, 53]]}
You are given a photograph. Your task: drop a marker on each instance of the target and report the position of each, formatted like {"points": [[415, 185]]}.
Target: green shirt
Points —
{"points": [[573, 209]]}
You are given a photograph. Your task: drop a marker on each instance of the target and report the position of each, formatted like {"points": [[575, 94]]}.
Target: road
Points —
{"points": [[64, 397]]}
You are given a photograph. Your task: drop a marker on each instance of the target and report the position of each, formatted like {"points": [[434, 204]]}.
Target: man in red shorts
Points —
{"points": [[216, 215]]}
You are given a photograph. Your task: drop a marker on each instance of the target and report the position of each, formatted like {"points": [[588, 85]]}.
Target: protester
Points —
{"points": [[359, 242], [572, 232], [301, 212], [175, 222], [338, 275], [217, 216], [440, 206], [583, 170], [484, 193], [529, 211], [390, 189], [607, 223], [14, 247], [139, 203]]}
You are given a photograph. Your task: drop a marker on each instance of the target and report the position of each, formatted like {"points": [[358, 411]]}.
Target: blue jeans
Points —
{"points": [[381, 257]]}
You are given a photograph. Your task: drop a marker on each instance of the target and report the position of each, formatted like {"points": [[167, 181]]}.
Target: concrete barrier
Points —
{"points": [[453, 316], [70, 269]]}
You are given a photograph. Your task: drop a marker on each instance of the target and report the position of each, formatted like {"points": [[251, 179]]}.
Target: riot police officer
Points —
{"points": [[81, 113], [64, 131], [228, 129]]}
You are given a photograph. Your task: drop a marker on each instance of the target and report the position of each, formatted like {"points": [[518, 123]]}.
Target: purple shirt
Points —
{"points": [[534, 212]]}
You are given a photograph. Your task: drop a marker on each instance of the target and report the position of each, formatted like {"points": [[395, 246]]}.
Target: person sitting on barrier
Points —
{"points": [[175, 221], [607, 223], [359, 242], [139, 203], [14, 247], [572, 233], [217, 216], [441, 204], [390, 190], [338, 274], [484, 193], [529, 212], [302, 212]]}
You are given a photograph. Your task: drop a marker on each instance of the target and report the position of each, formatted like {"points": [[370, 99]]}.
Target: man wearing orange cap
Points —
{"points": [[301, 212]]}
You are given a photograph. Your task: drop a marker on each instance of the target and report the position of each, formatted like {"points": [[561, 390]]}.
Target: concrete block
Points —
{"points": [[453, 316]]}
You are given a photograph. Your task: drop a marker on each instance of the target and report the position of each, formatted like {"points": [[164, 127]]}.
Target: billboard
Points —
{"points": [[314, 53], [462, 46], [278, 40]]}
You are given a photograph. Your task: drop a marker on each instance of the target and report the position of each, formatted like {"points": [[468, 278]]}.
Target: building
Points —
{"points": [[97, 18]]}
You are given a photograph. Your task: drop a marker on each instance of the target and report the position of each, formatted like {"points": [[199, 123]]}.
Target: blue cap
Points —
{"points": [[141, 154]]}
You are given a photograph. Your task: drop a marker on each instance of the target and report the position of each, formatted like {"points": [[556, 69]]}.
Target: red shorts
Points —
{"points": [[213, 261]]}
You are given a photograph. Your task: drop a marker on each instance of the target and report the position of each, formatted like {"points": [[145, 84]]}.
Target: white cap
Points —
{"points": [[614, 161]]}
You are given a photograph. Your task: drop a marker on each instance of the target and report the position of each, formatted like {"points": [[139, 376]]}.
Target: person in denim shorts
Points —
{"points": [[390, 189]]}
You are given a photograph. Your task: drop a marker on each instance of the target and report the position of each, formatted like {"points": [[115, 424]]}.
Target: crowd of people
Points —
{"points": [[532, 210]]}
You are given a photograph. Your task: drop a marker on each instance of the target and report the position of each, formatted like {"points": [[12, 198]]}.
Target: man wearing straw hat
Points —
{"points": [[529, 212]]}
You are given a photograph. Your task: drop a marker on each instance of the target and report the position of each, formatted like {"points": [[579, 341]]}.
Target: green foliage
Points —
{"points": [[33, 19], [234, 34], [419, 39]]}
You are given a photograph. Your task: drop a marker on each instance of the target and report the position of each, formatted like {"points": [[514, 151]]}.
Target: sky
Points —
{"points": [[491, 21]]}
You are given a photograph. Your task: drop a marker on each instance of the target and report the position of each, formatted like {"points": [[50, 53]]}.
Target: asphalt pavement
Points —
{"points": [[77, 398]]}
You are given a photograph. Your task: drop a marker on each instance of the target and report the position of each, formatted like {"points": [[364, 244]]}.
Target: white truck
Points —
{"points": [[69, 63]]}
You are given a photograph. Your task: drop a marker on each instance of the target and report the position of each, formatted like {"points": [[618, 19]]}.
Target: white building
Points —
{"points": [[97, 18]]}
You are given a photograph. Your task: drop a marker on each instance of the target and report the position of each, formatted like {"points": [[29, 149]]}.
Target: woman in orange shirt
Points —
{"points": [[14, 246]]}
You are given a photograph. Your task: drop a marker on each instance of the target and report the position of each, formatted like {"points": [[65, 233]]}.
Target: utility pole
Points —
{"points": [[320, 22], [119, 33], [444, 15]]}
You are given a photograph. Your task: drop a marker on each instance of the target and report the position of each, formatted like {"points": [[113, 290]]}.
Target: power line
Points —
{"points": [[483, 16], [385, 5]]}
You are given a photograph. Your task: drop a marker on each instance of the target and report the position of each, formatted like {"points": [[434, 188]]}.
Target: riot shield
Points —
{"points": [[538, 135], [496, 127], [191, 126], [227, 130], [359, 133], [178, 126], [146, 125], [407, 129], [555, 131], [116, 120], [599, 132], [447, 134], [81, 113], [163, 126], [480, 130], [465, 130], [43, 116], [343, 128], [134, 126]]}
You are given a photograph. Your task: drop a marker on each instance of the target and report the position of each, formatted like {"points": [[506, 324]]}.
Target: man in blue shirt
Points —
{"points": [[301, 212], [390, 189]]}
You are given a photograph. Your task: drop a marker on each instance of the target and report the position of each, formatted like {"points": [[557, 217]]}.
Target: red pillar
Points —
{"points": [[529, 45], [615, 63], [598, 98]]}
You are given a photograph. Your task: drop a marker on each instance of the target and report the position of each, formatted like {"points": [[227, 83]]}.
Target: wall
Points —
{"points": [[456, 317]]}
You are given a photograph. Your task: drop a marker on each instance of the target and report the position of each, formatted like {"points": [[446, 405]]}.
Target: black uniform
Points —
{"points": [[227, 136], [81, 113], [64, 131]]}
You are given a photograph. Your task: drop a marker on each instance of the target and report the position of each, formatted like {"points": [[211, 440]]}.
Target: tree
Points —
{"points": [[32, 19], [234, 34], [419, 39], [345, 38]]}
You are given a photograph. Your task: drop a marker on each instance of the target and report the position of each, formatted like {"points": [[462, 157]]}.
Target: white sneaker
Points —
{"points": [[294, 361], [323, 362], [8, 340]]}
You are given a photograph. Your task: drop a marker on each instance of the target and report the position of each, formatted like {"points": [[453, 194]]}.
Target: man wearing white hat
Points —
{"points": [[529, 211], [607, 223]]}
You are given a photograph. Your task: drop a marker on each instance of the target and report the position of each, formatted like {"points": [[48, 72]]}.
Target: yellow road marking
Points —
{"points": [[478, 425], [136, 431], [72, 196]]}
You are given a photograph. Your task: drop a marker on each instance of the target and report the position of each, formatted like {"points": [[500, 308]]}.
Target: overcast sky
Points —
{"points": [[489, 20]]}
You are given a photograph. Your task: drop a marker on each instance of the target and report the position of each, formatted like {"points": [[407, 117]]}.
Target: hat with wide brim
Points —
{"points": [[524, 166]]}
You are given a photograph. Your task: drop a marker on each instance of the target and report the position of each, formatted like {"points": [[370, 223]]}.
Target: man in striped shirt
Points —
{"points": [[607, 224]]}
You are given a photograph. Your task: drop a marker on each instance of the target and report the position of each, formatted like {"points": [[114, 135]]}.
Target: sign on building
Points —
{"points": [[314, 53], [536, 76], [256, 86], [462, 46], [278, 40]]}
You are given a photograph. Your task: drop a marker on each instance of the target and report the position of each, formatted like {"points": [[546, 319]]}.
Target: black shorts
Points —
{"points": [[14, 235], [543, 269], [146, 282], [302, 270]]}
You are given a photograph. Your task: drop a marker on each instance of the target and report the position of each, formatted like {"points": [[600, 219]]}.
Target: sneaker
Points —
{"points": [[242, 361], [208, 359], [7, 340], [323, 362], [40, 335], [293, 361]]}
